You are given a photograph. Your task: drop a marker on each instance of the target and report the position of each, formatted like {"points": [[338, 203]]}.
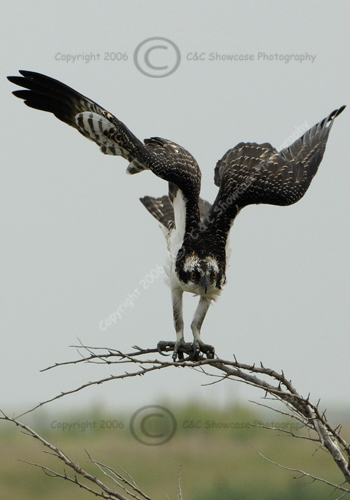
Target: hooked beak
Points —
{"points": [[205, 282]]}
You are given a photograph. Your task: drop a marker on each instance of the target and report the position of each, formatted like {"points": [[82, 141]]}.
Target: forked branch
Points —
{"points": [[274, 384]]}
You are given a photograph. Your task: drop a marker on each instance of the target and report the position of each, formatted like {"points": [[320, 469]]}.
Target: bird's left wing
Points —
{"points": [[253, 173]]}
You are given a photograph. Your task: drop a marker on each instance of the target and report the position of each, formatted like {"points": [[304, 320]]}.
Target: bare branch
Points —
{"points": [[179, 491], [118, 479], [106, 492], [305, 474], [75, 480], [275, 385]]}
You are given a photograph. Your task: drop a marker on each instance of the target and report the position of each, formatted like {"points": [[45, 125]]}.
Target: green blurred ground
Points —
{"points": [[216, 450]]}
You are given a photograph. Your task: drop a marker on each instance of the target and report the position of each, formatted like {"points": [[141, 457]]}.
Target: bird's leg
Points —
{"points": [[176, 295], [198, 345]]}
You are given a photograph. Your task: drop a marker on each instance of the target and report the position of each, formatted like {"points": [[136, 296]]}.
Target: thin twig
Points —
{"points": [[304, 474]]}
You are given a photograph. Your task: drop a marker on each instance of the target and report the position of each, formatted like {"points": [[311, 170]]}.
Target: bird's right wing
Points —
{"points": [[88, 117], [164, 158]]}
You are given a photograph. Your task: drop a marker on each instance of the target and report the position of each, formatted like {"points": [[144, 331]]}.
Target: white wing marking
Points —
{"points": [[94, 127]]}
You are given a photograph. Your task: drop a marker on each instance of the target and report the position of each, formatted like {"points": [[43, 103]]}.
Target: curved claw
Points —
{"points": [[161, 352], [163, 344]]}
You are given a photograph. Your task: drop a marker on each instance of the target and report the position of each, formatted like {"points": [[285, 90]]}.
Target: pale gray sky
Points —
{"points": [[76, 240]]}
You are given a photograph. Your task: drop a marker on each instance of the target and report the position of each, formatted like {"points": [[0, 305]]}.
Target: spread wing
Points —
{"points": [[164, 158], [253, 173], [88, 117]]}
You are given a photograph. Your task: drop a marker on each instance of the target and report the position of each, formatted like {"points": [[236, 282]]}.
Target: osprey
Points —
{"points": [[196, 231]]}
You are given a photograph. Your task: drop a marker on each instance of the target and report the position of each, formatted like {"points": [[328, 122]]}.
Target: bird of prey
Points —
{"points": [[196, 231]]}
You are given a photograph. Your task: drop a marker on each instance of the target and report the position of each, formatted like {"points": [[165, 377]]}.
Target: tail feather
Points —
{"points": [[162, 209]]}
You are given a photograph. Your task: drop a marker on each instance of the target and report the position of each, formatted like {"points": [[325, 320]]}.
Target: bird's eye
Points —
{"points": [[213, 275], [193, 275]]}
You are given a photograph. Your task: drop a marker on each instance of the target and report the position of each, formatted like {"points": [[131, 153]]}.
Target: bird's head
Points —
{"points": [[202, 276]]}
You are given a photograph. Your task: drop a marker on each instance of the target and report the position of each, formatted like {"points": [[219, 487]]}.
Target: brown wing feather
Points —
{"points": [[256, 173]]}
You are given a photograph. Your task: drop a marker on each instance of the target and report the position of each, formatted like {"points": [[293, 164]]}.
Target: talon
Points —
{"points": [[207, 349], [211, 354], [163, 345], [179, 348], [195, 351], [175, 352], [162, 353]]}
